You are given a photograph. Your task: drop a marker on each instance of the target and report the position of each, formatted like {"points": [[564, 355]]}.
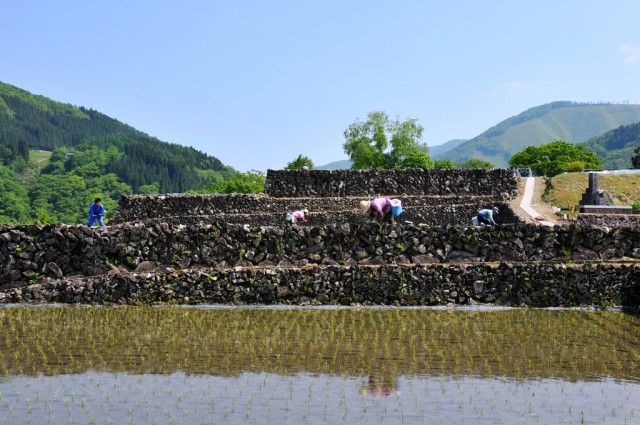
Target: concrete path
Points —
{"points": [[525, 204]]}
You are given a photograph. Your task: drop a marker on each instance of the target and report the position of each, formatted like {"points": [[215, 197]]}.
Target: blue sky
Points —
{"points": [[255, 83]]}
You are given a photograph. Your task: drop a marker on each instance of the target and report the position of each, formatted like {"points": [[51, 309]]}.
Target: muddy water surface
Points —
{"points": [[304, 365]]}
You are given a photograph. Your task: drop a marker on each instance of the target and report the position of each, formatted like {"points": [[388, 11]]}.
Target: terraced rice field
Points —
{"points": [[212, 365]]}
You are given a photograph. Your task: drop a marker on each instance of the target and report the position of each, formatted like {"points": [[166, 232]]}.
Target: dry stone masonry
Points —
{"points": [[262, 210], [237, 249], [339, 183]]}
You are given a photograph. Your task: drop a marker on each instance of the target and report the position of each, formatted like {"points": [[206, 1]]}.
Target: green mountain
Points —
{"points": [[616, 147], [438, 150], [29, 121], [345, 164], [569, 121]]}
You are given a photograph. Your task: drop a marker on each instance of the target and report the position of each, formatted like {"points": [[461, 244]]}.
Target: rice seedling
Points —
{"points": [[268, 362]]}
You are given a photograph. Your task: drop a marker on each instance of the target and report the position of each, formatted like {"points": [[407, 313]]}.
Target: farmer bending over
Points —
{"points": [[378, 208], [299, 216], [485, 216]]}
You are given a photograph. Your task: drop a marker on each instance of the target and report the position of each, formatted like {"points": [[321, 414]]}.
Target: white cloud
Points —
{"points": [[631, 51]]}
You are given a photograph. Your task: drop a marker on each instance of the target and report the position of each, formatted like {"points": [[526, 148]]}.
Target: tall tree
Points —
{"points": [[380, 143]]}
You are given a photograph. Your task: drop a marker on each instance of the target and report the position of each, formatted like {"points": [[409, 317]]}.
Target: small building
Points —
{"points": [[524, 172]]}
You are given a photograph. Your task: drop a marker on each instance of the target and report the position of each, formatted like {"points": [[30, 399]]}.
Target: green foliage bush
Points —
{"points": [[444, 164], [555, 158], [300, 162], [476, 163], [575, 166], [249, 182]]}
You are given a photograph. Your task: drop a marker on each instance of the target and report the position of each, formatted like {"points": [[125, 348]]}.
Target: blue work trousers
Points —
{"points": [[93, 218]]}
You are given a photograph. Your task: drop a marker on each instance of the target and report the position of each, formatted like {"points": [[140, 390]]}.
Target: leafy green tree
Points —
{"points": [[636, 158], [366, 141], [150, 189], [57, 160], [14, 199], [109, 186], [380, 143], [6, 155], [406, 149], [90, 161], [43, 216], [249, 182], [300, 162], [476, 163], [444, 164], [19, 165], [62, 197], [554, 158]]}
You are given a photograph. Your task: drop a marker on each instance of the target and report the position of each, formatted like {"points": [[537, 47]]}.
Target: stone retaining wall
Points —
{"points": [[29, 253], [437, 215], [457, 214], [511, 284], [609, 220], [135, 208], [236, 248], [605, 209], [501, 183]]}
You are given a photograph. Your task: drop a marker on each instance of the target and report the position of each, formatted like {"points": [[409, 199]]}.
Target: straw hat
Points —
{"points": [[364, 206], [305, 211]]}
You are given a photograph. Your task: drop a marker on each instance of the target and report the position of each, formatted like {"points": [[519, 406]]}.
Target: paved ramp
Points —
{"points": [[525, 204]]}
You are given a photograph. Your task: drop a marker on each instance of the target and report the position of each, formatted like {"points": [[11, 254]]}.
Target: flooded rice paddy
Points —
{"points": [[96, 365]]}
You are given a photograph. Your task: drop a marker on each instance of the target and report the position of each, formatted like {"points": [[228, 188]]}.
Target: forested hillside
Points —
{"points": [[438, 150], [568, 121], [616, 147], [56, 158], [30, 121]]}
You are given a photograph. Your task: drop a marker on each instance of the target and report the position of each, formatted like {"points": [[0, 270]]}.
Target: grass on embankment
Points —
{"points": [[568, 188], [39, 158]]}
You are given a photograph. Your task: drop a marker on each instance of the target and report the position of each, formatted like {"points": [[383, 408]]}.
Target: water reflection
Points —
{"points": [[108, 398], [379, 386], [225, 365]]}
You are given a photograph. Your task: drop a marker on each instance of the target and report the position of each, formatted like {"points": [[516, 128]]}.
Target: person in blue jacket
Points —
{"points": [[96, 212], [485, 216]]}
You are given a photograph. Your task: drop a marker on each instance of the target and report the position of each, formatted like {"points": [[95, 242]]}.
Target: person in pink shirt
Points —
{"points": [[299, 216], [378, 208]]}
